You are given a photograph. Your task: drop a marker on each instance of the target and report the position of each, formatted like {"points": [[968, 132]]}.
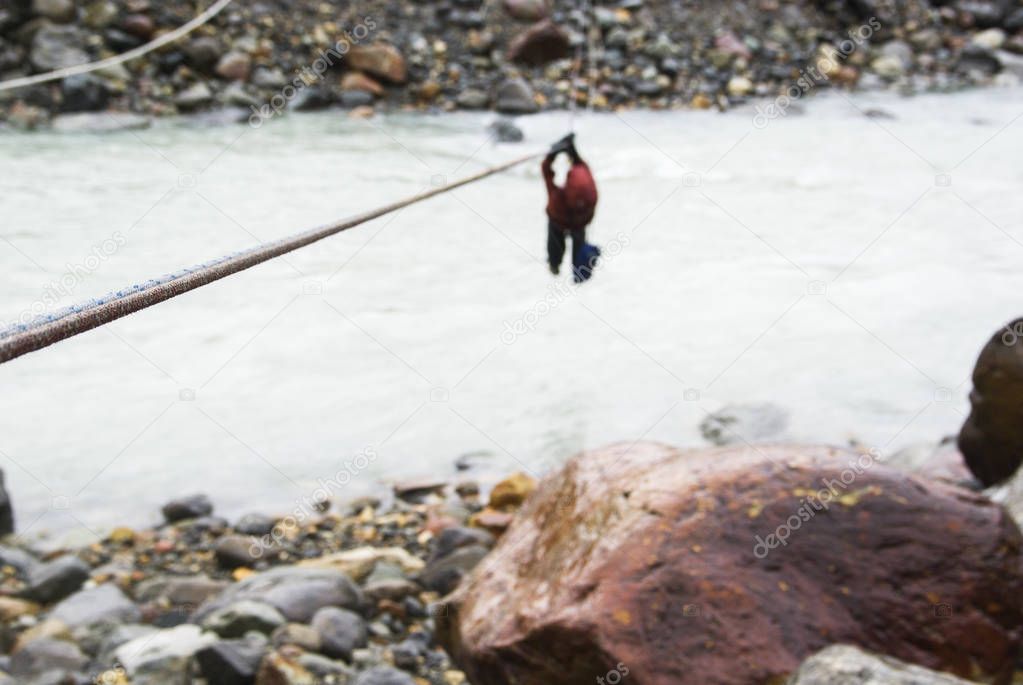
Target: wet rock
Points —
{"points": [[354, 81], [979, 60], [526, 10], [21, 561], [470, 489], [380, 60], [418, 490], [739, 86], [180, 591], [850, 665], [234, 66], [879, 567], [358, 563], [363, 112], [241, 617], [393, 589], [983, 13], [118, 636], [458, 537], [444, 574], [515, 96], [992, 39], [1009, 63], [121, 41], [296, 634], [472, 98], [55, 580], [744, 423], [239, 100], [263, 77], [47, 654], [139, 25], [1014, 21], [59, 11], [12, 608], [729, 44], [340, 632], [354, 99], [56, 47], [255, 524], [99, 122], [540, 44], [310, 99], [84, 93], [327, 670], [233, 551], [231, 662], [48, 628], [384, 675], [297, 592], [895, 59], [512, 491], [991, 440], [505, 131], [284, 669], [96, 605], [163, 657], [202, 54], [194, 506], [492, 520], [6, 510], [406, 655]]}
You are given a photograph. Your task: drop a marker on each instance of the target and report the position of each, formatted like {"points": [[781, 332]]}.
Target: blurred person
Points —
{"points": [[570, 210]]}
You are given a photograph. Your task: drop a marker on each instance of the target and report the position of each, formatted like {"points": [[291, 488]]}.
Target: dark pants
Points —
{"points": [[556, 244]]}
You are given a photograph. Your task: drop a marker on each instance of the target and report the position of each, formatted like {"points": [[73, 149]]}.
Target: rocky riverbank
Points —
{"points": [[257, 60], [347, 597], [444, 587]]}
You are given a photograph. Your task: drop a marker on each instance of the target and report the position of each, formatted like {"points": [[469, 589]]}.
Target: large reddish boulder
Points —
{"points": [[731, 565], [541, 43], [992, 437]]}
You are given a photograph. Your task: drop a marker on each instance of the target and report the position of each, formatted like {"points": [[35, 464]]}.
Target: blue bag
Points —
{"points": [[584, 262]]}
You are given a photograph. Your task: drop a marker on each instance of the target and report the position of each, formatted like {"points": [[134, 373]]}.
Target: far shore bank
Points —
{"points": [[512, 57]]}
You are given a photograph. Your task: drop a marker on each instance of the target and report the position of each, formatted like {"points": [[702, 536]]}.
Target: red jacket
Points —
{"points": [[571, 207]]}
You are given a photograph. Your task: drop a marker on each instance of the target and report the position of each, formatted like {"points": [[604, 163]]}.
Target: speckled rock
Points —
{"points": [[710, 542], [297, 592], [992, 437]]}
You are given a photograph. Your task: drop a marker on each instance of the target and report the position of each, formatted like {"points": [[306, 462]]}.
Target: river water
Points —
{"points": [[843, 267]]}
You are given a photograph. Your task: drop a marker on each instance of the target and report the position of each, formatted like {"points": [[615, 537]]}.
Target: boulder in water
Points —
{"points": [[744, 423], [6, 510], [991, 440]]}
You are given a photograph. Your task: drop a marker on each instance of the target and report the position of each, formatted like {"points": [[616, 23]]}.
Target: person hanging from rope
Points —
{"points": [[570, 209]]}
